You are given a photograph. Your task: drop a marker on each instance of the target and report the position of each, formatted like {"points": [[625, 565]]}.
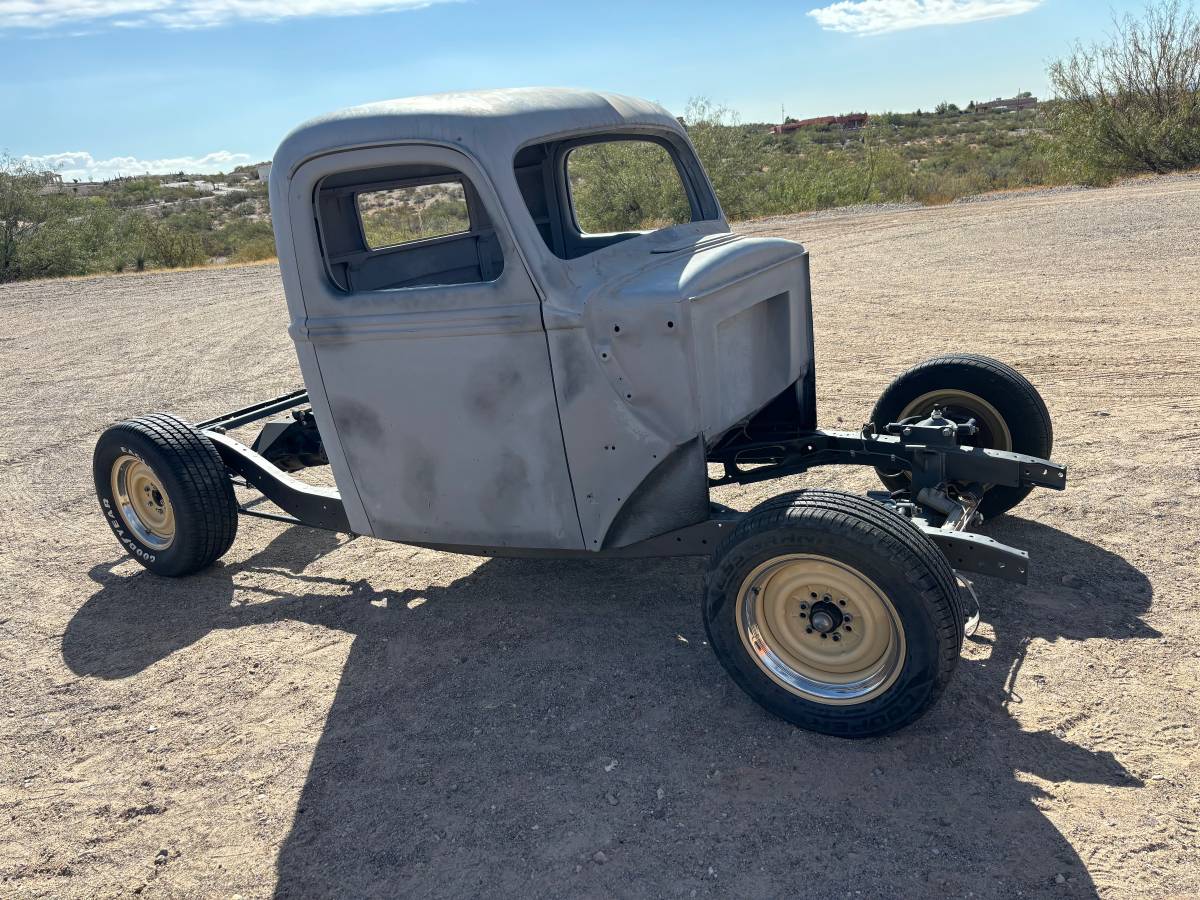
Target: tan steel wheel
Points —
{"points": [[820, 629], [959, 406], [142, 502]]}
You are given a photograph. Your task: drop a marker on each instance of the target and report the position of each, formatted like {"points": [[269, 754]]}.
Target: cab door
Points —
{"points": [[420, 337]]}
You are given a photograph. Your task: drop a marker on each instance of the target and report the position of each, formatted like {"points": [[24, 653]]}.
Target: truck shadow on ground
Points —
{"points": [[552, 728]]}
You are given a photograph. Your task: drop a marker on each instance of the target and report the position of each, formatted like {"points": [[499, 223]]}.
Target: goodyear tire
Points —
{"points": [[1010, 413], [834, 613], [164, 492]]}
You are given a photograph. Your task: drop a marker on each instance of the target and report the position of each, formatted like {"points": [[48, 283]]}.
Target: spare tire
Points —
{"points": [[1008, 410]]}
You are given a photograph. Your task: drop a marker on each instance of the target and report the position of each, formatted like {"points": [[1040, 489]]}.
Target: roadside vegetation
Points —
{"points": [[1127, 105], [47, 230]]}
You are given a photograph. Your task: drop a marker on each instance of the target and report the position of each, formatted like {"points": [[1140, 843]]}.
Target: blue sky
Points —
{"points": [[97, 86]]}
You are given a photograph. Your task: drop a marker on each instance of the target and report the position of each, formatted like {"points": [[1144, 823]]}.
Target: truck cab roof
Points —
{"points": [[490, 125]]}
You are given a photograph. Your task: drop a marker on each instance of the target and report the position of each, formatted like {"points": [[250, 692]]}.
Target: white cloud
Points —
{"points": [[81, 165], [879, 16], [42, 14]]}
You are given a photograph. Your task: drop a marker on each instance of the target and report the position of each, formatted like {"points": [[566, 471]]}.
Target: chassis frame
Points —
{"points": [[929, 450]]}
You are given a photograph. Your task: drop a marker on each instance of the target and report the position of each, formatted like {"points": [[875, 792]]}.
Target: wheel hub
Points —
{"points": [[825, 617], [958, 406]]}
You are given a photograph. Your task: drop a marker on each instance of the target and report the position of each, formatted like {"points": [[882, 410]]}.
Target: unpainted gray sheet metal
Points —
{"points": [[440, 406], [489, 124], [439, 400], [661, 348]]}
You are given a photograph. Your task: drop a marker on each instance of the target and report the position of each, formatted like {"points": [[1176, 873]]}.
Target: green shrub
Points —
{"points": [[1132, 103], [169, 245], [255, 249]]}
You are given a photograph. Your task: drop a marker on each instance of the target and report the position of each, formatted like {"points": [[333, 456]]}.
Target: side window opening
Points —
{"points": [[591, 192], [405, 227]]}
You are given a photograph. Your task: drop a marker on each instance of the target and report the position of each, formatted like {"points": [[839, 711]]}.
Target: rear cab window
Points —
{"points": [[402, 215]]}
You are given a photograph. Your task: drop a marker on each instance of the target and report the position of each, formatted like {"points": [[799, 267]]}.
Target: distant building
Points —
{"points": [[1012, 104], [849, 122], [53, 184], [264, 172], [195, 184]]}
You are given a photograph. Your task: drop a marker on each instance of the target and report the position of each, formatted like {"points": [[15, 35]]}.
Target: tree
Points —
{"points": [[24, 208], [1132, 102]]}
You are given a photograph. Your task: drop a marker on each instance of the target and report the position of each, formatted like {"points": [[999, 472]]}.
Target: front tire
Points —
{"points": [[1008, 410], [834, 613], [165, 493]]}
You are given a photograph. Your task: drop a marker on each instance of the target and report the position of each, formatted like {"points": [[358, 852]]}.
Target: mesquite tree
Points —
{"points": [[1132, 102]]}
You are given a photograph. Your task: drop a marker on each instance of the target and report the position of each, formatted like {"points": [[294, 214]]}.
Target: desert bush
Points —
{"points": [[169, 245], [255, 249], [231, 199], [1132, 103], [242, 240], [87, 240], [137, 192]]}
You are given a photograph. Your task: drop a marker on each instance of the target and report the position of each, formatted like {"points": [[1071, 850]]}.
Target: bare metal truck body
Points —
{"points": [[583, 390], [526, 328]]}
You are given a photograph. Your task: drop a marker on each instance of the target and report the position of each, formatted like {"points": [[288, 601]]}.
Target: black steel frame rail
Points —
{"points": [[930, 464], [931, 456], [255, 411]]}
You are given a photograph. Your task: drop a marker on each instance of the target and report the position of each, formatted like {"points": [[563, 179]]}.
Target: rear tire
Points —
{"points": [[165, 493], [834, 613], [1011, 414]]}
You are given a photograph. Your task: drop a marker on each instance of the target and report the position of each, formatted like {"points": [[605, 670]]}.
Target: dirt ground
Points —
{"points": [[320, 716]]}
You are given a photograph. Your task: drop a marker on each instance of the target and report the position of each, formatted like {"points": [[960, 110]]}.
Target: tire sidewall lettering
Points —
{"points": [[117, 523]]}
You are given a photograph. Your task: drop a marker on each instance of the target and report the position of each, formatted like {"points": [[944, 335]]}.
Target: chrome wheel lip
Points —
{"points": [[150, 518], [867, 683]]}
